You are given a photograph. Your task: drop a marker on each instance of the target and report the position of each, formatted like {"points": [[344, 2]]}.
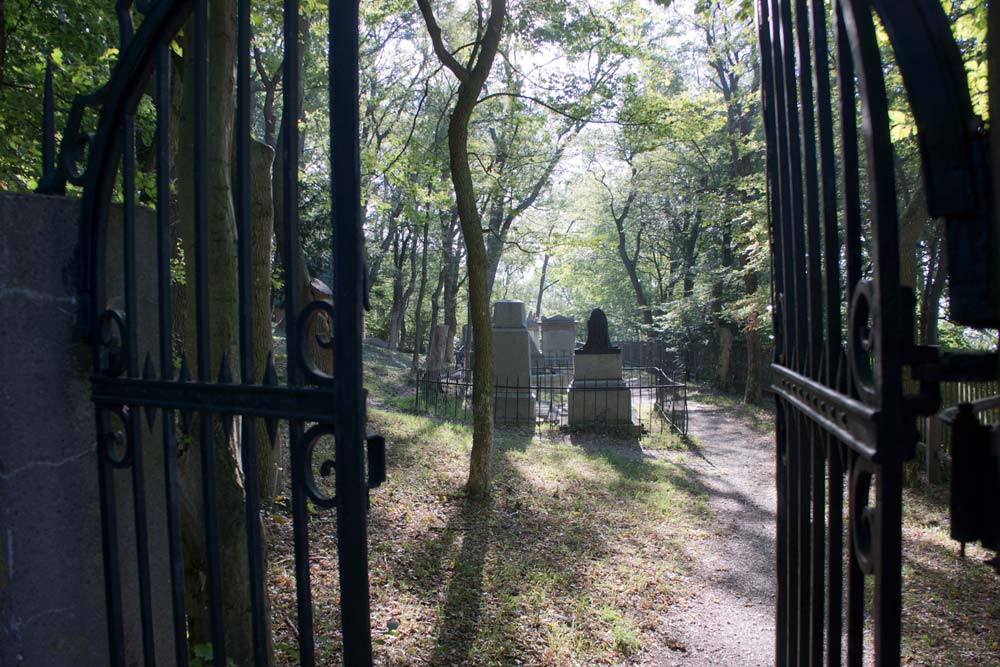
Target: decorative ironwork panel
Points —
{"points": [[146, 376], [846, 418]]}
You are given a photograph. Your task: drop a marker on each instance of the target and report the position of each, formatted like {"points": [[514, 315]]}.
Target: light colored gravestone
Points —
{"points": [[438, 351], [558, 337], [533, 334], [512, 357], [597, 394]]}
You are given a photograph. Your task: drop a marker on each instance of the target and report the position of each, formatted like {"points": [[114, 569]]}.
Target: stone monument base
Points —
{"points": [[597, 394], [514, 405]]}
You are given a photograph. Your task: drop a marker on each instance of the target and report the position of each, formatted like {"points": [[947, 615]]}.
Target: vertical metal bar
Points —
{"points": [[290, 215], [134, 422], [835, 556], [770, 107], [798, 457], [852, 236], [48, 122], [855, 593], [244, 230], [109, 542], [828, 193], [163, 252], [787, 594], [203, 336], [813, 478], [849, 152], [345, 154]]}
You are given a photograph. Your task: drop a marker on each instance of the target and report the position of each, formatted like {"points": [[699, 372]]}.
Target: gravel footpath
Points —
{"points": [[729, 620]]}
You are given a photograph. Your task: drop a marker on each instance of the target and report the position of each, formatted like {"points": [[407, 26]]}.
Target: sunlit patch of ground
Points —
{"points": [[577, 558], [573, 560]]}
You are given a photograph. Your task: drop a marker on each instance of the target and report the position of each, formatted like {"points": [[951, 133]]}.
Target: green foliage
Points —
{"points": [[81, 38]]}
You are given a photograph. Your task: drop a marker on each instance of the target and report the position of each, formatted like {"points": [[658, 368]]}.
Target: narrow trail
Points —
{"points": [[729, 620]]}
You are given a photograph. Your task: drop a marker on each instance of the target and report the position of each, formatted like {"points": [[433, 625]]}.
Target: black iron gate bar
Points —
{"points": [[309, 395], [841, 403]]}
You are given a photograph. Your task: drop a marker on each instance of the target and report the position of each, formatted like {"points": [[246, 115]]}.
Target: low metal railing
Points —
{"points": [[654, 400]]}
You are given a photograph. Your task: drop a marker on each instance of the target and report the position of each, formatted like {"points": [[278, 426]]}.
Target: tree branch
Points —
{"points": [[443, 54]]}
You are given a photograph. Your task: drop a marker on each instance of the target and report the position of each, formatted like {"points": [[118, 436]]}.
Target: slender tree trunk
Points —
{"points": [[471, 82], [479, 307], [450, 258], [436, 301], [541, 287], [408, 293], [397, 306], [751, 333], [418, 318], [930, 304], [3, 40], [262, 215], [221, 231]]}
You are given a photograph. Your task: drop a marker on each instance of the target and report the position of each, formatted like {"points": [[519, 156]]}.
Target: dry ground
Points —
{"points": [[595, 550]]}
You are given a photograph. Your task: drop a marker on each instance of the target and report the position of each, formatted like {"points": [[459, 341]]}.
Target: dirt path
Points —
{"points": [[730, 618]]}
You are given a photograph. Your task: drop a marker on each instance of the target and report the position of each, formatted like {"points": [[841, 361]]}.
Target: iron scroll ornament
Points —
{"points": [[327, 467]]}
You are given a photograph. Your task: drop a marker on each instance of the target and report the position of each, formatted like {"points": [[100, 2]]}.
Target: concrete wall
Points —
{"points": [[52, 607]]}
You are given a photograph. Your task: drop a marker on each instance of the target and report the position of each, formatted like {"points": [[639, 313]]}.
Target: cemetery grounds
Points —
{"points": [[594, 550]]}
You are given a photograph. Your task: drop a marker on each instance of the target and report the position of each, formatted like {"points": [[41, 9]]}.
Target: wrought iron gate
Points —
{"points": [[129, 386], [846, 413]]}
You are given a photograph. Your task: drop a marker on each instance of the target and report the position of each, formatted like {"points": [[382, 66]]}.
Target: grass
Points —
{"points": [[574, 559], [951, 609]]}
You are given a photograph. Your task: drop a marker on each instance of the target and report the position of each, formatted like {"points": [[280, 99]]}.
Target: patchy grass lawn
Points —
{"points": [[951, 606], [573, 560], [576, 558]]}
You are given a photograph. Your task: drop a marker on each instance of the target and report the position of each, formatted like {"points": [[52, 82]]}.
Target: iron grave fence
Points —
{"points": [[656, 401]]}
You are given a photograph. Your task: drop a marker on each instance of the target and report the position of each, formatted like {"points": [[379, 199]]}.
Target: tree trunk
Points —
{"points": [[450, 269], [751, 333], [222, 268], [724, 368], [541, 288], [410, 286], [262, 217], [395, 310], [471, 84], [436, 301], [479, 307], [418, 318], [930, 304]]}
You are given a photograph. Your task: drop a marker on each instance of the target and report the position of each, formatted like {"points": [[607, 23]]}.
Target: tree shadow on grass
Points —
{"points": [[460, 616]]}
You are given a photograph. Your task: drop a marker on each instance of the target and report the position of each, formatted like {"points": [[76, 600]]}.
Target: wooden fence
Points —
{"points": [[935, 447]]}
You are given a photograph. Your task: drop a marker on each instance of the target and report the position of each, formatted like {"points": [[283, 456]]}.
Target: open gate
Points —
{"points": [[850, 381], [141, 379]]}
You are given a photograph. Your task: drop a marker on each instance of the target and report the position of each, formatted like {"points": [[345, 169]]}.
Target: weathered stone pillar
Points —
{"points": [[52, 605], [512, 354], [597, 394]]}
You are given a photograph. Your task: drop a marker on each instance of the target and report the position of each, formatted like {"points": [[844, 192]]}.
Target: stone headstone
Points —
{"points": [[512, 360], [598, 395], [533, 334], [558, 337], [598, 339]]}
